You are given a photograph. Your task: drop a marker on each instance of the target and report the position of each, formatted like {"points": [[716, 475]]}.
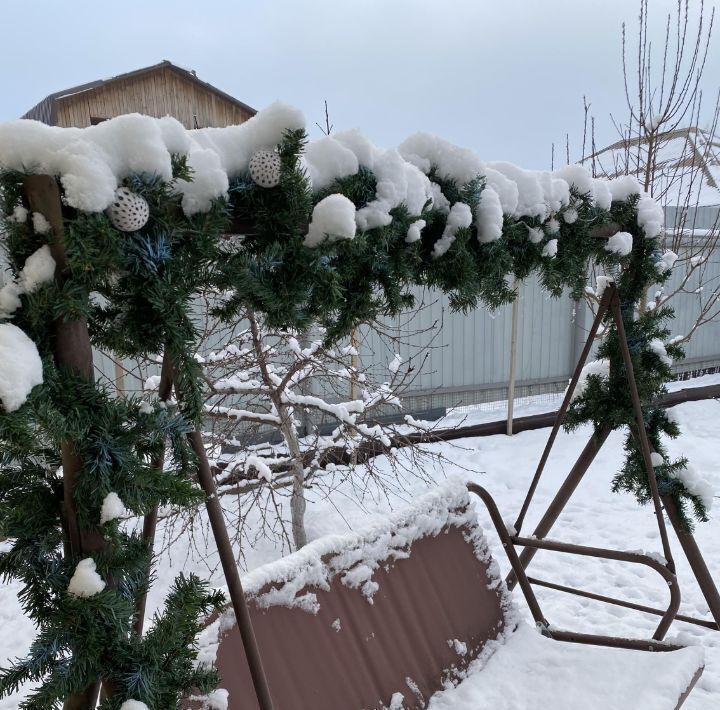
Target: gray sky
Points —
{"points": [[504, 77]]}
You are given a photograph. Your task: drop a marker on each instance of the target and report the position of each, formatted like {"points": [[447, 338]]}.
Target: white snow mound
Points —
{"points": [[20, 367]]}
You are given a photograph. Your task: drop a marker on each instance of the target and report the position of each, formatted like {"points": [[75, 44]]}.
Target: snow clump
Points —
{"points": [[86, 582], [598, 368], [620, 243], [489, 216], [20, 367], [112, 508], [460, 217], [551, 248], [414, 231], [333, 218]]}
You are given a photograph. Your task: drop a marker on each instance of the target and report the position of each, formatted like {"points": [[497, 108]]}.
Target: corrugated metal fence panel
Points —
{"points": [[702, 217], [474, 349], [688, 305]]}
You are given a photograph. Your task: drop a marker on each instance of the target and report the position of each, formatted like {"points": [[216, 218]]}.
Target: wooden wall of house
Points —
{"points": [[158, 93]]}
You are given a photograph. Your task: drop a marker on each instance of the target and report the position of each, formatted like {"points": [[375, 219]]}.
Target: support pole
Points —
{"points": [[695, 558], [602, 308], [562, 497], [167, 375], [232, 576], [642, 436]]}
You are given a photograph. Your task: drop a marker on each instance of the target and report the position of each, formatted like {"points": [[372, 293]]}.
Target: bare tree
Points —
{"points": [[668, 141], [295, 388]]}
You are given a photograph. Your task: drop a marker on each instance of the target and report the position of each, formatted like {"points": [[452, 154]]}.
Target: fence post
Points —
{"points": [[513, 358]]}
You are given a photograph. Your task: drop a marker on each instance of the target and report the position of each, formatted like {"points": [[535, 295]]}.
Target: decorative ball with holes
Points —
{"points": [[265, 168], [128, 212]]}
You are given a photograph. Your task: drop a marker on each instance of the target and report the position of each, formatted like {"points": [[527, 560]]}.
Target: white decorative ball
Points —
{"points": [[265, 168], [128, 212]]}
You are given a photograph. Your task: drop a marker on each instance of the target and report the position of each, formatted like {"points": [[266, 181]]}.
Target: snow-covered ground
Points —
{"points": [[505, 465]]}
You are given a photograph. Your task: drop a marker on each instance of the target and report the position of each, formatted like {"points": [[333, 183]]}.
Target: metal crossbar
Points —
{"points": [[510, 541], [609, 305]]}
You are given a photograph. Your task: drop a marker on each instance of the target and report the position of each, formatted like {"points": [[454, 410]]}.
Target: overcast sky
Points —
{"points": [[505, 77]]}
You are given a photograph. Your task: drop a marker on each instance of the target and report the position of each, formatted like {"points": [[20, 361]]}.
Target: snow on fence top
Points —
{"points": [[91, 163]]}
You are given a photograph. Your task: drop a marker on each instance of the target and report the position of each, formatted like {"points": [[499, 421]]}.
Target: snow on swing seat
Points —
{"points": [[412, 614], [533, 672]]}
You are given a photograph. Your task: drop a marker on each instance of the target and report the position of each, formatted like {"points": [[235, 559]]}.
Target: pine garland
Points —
{"points": [[136, 292]]}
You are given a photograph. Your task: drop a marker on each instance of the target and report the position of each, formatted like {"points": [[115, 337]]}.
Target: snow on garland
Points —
{"points": [[92, 162], [460, 217], [620, 243], [596, 368], [489, 216], [415, 230], [333, 218], [550, 249], [86, 582], [112, 508], [20, 367], [39, 269]]}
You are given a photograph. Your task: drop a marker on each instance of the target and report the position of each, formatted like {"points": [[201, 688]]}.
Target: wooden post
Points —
{"points": [[355, 362], [119, 377], [73, 352], [513, 359]]}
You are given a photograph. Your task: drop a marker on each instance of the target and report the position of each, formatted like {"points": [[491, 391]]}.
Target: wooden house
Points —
{"points": [[159, 90]]}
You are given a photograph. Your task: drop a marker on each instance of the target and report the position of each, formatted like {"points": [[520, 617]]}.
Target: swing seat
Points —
{"points": [[412, 613]]}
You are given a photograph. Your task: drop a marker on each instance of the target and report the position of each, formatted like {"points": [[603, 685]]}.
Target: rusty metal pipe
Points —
{"points": [[232, 576], [621, 602], [563, 495], [602, 309]]}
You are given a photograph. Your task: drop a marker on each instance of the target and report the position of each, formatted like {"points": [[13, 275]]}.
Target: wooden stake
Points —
{"points": [[513, 359]]}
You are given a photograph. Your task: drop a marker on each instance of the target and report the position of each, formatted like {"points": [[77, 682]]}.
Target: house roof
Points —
{"points": [[46, 110], [687, 170]]}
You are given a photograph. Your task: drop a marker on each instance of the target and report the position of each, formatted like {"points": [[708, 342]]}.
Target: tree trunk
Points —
{"points": [[287, 429], [297, 501]]}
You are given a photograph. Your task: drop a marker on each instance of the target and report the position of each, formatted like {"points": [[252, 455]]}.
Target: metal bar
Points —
{"points": [[620, 556], [695, 558], [642, 432], [232, 576], [603, 307], [509, 543], [620, 602], [167, 375], [515, 563], [616, 641], [563, 495]]}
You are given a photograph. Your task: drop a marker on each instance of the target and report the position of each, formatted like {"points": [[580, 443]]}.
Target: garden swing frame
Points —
{"points": [[609, 303], [43, 196]]}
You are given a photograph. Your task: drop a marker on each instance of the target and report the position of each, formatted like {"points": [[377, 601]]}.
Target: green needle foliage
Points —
{"points": [[136, 292]]}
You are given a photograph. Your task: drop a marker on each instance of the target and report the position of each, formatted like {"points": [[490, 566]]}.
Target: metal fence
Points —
{"points": [[469, 363], [463, 360]]}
